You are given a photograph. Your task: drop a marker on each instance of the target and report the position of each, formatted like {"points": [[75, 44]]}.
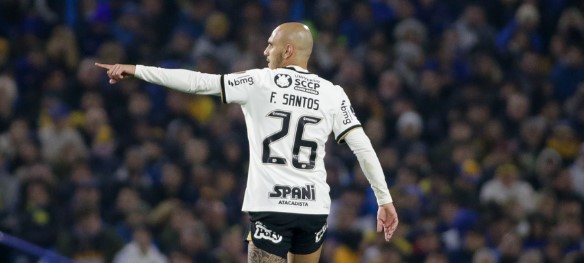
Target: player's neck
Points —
{"points": [[295, 61]]}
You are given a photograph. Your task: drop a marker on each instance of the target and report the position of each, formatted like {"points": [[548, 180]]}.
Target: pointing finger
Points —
{"points": [[105, 66]]}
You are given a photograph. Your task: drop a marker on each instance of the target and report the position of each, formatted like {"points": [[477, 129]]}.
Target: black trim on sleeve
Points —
{"points": [[341, 138], [223, 98]]}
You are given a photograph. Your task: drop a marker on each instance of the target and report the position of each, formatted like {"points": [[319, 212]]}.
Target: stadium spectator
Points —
{"points": [[140, 249], [508, 189], [90, 239]]}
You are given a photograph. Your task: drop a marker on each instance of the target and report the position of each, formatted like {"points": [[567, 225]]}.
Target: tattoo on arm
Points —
{"points": [[256, 255]]}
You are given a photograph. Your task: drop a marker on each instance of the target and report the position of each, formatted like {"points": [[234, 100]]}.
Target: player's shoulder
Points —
{"points": [[254, 71]]}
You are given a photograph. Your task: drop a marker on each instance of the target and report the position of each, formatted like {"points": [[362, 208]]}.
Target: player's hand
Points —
{"points": [[118, 72], [387, 220]]}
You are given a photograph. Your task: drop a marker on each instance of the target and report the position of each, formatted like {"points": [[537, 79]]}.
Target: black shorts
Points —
{"points": [[280, 233]]}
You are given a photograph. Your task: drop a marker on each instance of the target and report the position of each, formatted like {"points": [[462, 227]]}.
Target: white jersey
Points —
{"points": [[290, 114]]}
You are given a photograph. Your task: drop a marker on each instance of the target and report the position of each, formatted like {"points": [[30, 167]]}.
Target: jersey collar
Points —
{"points": [[297, 68]]}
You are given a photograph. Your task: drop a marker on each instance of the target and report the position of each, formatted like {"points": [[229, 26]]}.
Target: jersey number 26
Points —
{"points": [[298, 141]]}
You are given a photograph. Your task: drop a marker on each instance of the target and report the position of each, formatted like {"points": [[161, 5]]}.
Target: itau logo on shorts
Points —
{"points": [[283, 80], [262, 232]]}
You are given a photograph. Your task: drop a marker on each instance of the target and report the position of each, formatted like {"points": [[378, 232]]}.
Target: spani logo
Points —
{"points": [[283, 80], [294, 192]]}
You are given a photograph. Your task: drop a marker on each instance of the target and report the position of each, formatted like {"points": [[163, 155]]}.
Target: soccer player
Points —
{"points": [[289, 113]]}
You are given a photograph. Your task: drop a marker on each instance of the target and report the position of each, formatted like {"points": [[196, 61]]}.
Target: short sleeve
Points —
{"points": [[344, 118], [237, 87]]}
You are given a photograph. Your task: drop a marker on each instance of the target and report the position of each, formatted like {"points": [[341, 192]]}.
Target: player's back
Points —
{"points": [[290, 114]]}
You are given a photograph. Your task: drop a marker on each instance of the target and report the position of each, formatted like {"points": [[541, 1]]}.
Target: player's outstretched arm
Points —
{"points": [[359, 143], [179, 79]]}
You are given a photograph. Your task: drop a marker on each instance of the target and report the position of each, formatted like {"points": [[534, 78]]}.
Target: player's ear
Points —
{"points": [[289, 51]]}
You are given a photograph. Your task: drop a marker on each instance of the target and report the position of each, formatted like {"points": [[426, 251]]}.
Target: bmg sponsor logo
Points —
{"points": [[294, 192], [262, 232], [241, 80], [347, 116]]}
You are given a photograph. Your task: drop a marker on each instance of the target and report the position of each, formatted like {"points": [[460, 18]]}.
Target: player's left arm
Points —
{"points": [[361, 146]]}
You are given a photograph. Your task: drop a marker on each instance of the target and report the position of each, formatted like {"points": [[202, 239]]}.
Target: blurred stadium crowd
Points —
{"points": [[476, 109]]}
